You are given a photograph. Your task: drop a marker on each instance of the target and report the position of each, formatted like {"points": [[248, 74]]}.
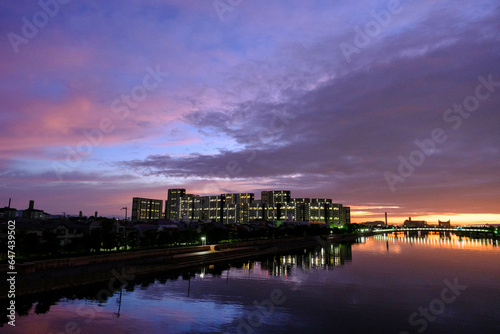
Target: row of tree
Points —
{"points": [[30, 246]]}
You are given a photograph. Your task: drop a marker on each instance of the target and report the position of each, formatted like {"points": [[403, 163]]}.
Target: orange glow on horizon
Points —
{"points": [[456, 219]]}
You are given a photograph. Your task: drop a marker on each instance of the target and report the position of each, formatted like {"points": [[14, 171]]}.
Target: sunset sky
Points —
{"points": [[380, 105]]}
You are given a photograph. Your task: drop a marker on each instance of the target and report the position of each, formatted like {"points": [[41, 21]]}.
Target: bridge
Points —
{"points": [[432, 229]]}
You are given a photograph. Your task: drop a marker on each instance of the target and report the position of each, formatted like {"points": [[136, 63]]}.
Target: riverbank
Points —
{"points": [[46, 275]]}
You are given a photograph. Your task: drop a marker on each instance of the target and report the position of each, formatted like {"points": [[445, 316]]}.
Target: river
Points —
{"points": [[405, 283]]}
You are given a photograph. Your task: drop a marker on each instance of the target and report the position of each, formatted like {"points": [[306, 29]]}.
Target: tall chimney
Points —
{"points": [[386, 219], [80, 215], [32, 204], [95, 214], [9, 202]]}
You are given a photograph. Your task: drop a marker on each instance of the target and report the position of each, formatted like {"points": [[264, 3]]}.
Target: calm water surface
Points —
{"points": [[383, 284]]}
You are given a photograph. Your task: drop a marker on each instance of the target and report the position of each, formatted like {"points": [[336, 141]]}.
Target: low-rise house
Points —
{"points": [[66, 231], [28, 226], [144, 228]]}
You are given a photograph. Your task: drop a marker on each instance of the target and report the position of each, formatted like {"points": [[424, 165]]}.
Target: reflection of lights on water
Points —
{"points": [[434, 238], [285, 265]]}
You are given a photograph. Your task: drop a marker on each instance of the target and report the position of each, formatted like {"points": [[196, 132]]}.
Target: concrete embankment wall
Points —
{"points": [[30, 267]]}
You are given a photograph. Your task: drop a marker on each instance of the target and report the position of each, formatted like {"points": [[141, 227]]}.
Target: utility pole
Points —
{"points": [[125, 208]]}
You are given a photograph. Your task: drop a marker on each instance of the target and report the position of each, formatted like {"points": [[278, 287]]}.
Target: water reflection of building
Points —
{"points": [[329, 256]]}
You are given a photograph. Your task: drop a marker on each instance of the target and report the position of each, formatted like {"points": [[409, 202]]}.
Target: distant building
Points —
{"points": [[446, 224], [8, 212], [319, 209], [276, 202], [190, 207], [33, 213], [211, 208], [415, 223], [274, 205], [235, 207], [301, 208], [238, 198], [29, 226], [173, 207], [377, 223], [275, 196], [146, 208], [334, 214], [257, 210], [67, 231], [347, 215]]}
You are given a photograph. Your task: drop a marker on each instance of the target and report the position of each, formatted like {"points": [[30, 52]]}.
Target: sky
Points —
{"points": [[384, 106]]}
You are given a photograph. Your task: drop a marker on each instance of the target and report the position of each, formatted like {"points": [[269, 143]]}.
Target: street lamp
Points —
{"points": [[203, 241], [125, 208]]}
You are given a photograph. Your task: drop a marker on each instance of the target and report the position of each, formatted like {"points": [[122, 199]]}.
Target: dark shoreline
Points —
{"points": [[49, 275]]}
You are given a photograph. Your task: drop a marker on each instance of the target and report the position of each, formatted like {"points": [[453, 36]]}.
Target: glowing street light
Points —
{"points": [[203, 241]]}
